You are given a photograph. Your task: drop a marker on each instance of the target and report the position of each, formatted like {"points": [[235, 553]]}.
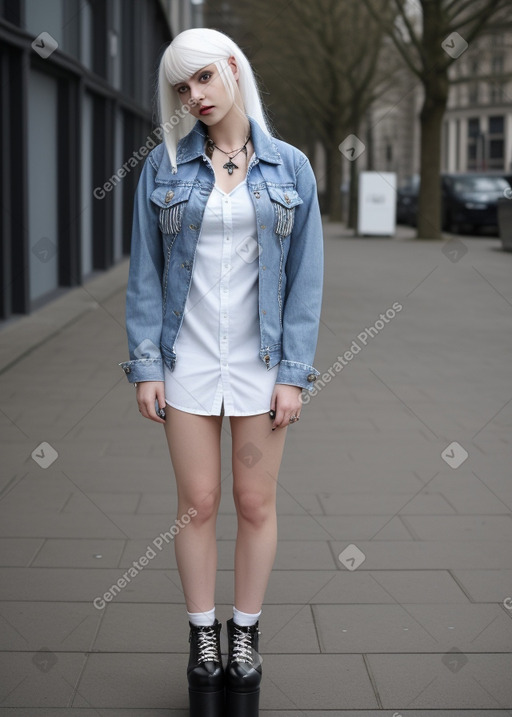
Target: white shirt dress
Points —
{"points": [[218, 369]]}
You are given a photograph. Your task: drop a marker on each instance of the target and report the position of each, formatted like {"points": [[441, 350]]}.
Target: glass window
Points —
{"points": [[473, 127], [88, 199], [42, 184], [86, 34], [45, 17], [496, 149], [496, 125]]}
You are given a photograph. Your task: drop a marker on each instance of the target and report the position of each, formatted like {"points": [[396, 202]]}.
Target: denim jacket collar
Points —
{"points": [[192, 145]]}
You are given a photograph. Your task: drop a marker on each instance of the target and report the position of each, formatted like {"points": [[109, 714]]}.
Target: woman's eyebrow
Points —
{"points": [[184, 82]]}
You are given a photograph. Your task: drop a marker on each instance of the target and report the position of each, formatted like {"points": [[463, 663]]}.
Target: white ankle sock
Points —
{"points": [[202, 618], [245, 619]]}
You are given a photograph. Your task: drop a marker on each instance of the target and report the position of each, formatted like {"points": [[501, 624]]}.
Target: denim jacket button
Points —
{"points": [[311, 377], [192, 226], [127, 369], [169, 196], [287, 199], [257, 195]]}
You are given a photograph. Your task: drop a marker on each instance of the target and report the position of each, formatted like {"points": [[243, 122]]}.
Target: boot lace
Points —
{"points": [[207, 646], [242, 646]]}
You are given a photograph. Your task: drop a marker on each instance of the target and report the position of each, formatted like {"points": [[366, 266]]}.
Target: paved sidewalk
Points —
{"points": [[392, 588]]}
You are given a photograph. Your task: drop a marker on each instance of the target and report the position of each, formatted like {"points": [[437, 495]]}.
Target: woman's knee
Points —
{"points": [[205, 505], [254, 507]]}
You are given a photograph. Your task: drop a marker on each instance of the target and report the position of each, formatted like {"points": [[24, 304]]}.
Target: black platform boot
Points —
{"points": [[205, 672], [243, 672]]}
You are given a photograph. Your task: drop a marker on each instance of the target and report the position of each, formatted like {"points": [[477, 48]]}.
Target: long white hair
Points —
{"points": [[189, 52]]}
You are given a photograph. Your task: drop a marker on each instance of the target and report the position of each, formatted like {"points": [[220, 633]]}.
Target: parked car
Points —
{"points": [[407, 200], [469, 201]]}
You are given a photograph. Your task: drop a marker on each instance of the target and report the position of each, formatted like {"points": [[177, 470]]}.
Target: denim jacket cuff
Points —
{"points": [[143, 370], [297, 374]]}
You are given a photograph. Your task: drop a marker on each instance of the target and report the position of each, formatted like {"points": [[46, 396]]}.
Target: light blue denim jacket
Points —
{"points": [[167, 220]]}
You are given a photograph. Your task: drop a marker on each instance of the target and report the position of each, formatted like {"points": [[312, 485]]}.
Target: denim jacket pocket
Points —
{"points": [[172, 201], [284, 202]]}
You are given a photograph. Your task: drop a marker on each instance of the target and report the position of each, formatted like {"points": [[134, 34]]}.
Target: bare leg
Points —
{"points": [[194, 446], [257, 453]]}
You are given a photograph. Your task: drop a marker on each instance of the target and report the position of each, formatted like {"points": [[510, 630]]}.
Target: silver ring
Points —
{"points": [[293, 419]]}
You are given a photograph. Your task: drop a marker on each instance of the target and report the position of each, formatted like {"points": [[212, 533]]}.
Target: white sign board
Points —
{"points": [[377, 203]]}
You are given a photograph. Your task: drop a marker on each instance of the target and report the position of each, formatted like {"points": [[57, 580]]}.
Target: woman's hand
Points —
{"points": [[148, 392], [286, 402]]}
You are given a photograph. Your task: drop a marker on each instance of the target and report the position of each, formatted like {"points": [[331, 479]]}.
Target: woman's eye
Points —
{"points": [[206, 75], [182, 89]]}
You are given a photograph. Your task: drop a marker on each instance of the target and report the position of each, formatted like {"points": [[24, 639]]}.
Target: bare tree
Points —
{"points": [[320, 66], [430, 36]]}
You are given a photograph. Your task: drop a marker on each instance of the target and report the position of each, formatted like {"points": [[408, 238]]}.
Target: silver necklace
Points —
{"points": [[230, 166]]}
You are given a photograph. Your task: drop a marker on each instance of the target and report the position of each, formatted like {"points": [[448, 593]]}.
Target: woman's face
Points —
{"points": [[206, 95]]}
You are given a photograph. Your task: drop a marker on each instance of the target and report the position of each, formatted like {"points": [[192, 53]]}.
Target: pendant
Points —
{"points": [[230, 166]]}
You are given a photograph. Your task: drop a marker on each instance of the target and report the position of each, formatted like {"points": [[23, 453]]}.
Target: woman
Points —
{"points": [[222, 313]]}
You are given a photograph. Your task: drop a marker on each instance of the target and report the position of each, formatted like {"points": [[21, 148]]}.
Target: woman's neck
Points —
{"points": [[231, 132]]}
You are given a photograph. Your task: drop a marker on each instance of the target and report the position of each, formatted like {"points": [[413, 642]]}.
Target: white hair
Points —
{"points": [[189, 52]]}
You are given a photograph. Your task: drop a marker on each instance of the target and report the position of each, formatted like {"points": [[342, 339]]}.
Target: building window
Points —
{"points": [[496, 92], [497, 64], [473, 139], [473, 93], [496, 142]]}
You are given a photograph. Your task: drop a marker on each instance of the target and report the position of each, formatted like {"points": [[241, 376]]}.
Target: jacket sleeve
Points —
{"points": [[304, 279], [144, 291]]}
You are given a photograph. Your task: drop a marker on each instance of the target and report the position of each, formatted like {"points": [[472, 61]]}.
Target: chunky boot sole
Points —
{"points": [[242, 704], [206, 704]]}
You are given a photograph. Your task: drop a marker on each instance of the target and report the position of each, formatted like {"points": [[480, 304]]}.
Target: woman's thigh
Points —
{"points": [[256, 454], [194, 447]]}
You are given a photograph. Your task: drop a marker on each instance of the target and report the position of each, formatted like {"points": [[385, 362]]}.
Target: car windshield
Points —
{"points": [[480, 184]]}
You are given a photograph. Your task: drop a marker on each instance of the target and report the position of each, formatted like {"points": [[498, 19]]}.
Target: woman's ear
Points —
{"points": [[234, 67]]}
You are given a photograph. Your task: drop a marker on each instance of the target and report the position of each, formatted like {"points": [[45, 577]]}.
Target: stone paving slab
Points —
{"points": [[412, 628], [486, 585], [383, 586], [434, 555], [58, 626], [39, 678], [451, 680]]}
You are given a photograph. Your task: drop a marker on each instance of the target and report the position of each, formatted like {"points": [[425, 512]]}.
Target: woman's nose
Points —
{"points": [[196, 93]]}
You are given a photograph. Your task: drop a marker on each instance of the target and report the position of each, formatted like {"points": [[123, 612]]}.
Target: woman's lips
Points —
{"points": [[205, 110]]}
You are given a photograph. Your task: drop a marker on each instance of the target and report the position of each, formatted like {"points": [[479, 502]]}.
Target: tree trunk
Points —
{"points": [[333, 185], [429, 204], [353, 196], [436, 85]]}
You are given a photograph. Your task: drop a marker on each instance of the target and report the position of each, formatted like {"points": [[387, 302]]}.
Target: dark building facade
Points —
{"points": [[77, 84]]}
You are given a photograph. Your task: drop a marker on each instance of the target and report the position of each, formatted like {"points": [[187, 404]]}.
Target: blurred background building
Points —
{"points": [[78, 83], [78, 78]]}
